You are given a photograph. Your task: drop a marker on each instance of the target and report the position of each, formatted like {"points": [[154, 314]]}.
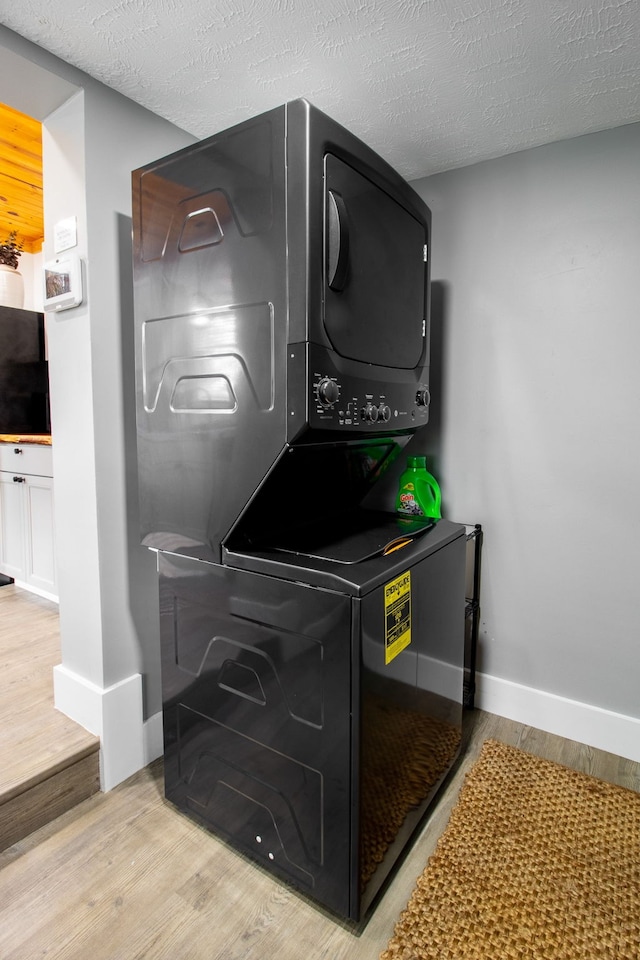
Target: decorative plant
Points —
{"points": [[11, 250]]}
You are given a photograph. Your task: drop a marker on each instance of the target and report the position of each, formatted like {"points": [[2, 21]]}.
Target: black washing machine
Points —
{"points": [[313, 695]]}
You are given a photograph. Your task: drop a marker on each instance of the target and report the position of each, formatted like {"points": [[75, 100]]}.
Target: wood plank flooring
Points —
{"points": [[48, 763], [124, 876]]}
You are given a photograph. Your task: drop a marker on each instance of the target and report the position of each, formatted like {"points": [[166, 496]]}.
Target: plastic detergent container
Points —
{"points": [[418, 493]]}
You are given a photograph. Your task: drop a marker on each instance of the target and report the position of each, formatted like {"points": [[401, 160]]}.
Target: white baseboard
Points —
{"points": [[37, 590], [594, 726], [114, 714]]}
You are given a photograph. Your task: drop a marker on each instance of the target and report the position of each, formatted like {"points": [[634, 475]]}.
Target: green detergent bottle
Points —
{"points": [[418, 493]]}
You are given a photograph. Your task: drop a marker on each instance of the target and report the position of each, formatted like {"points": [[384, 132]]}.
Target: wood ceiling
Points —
{"points": [[21, 206]]}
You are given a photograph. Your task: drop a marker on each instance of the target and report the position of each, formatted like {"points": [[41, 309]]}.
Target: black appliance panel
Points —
{"points": [[410, 708], [210, 299], [198, 196], [328, 393], [256, 687], [291, 732], [375, 272]]}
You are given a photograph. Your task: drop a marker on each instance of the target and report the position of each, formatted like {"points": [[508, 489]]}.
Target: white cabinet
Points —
{"points": [[27, 541]]}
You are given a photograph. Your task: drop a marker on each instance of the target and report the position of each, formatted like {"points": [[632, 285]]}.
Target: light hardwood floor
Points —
{"points": [[47, 762], [123, 876]]}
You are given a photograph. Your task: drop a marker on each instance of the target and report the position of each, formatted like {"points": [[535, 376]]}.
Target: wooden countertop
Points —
{"points": [[43, 439]]}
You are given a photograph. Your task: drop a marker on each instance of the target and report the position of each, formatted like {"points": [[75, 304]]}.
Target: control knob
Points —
{"points": [[384, 412], [370, 413], [328, 392], [423, 397]]}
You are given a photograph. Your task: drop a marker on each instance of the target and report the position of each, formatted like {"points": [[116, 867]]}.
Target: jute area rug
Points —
{"points": [[538, 862]]}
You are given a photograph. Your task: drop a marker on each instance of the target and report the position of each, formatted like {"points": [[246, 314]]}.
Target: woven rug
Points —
{"points": [[538, 862]]}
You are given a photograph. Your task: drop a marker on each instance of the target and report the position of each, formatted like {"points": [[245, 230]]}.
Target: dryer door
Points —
{"points": [[375, 271]]}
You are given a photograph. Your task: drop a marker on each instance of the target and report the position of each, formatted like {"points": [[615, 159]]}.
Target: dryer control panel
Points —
{"points": [[378, 401]]}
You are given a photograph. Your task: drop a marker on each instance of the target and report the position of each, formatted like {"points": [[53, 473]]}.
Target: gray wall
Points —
{"points": [[536, 421], [93, 138]]}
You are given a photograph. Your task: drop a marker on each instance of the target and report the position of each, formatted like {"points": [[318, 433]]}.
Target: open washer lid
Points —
{"points": [[352, 538]]}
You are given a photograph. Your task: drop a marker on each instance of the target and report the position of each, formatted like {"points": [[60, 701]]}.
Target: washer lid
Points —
{"points": [[353, 537]]}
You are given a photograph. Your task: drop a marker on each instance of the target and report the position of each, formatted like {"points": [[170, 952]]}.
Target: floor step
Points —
{"points": [[35, 804], [48, 763]]}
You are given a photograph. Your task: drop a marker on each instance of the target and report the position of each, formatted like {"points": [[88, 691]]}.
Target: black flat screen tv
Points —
{"points": [[24, 382]]}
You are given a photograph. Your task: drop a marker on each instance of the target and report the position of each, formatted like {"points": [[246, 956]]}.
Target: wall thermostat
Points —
{"points": [[63, 282]]}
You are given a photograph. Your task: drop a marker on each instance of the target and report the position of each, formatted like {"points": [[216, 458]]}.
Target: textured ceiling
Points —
{"points": [[430, 84]]}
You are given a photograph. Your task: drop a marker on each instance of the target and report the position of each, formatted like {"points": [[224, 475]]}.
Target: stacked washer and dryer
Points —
{"points": [[312, 646]]}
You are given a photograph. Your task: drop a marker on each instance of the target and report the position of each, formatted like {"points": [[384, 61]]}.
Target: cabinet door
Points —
{"points": [[12, 525], [40, 569]]}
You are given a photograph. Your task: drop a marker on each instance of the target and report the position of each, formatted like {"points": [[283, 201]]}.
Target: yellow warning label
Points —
{"points": [[397, 614]]}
